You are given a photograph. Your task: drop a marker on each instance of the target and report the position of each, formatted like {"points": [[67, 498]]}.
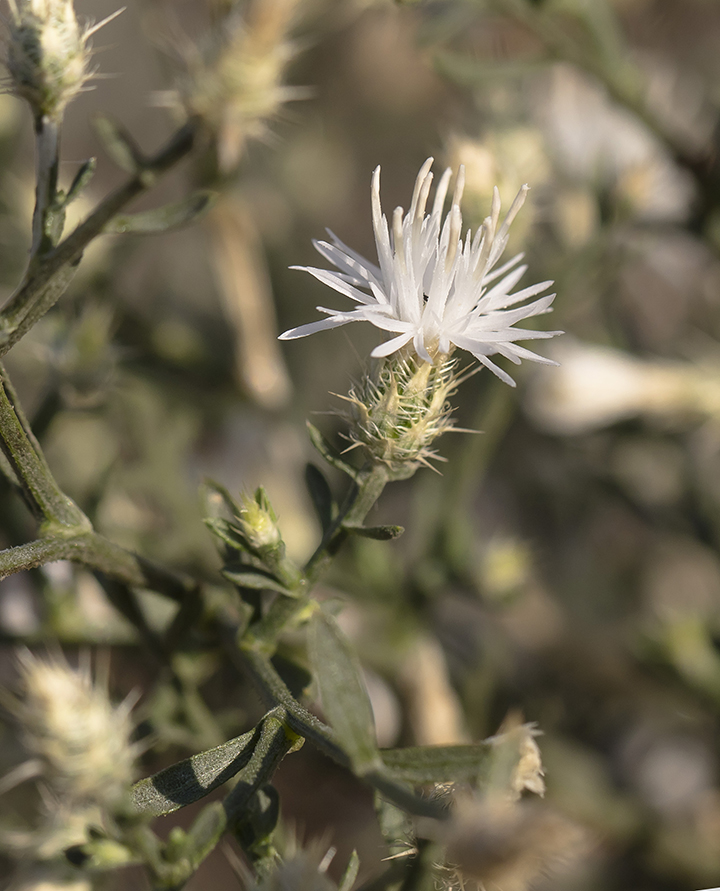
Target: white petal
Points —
{"points": [[313, 327], [390, 346], [333, 280]]}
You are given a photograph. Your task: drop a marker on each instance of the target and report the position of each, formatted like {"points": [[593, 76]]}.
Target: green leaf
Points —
{"points": [[213, 488], [379, 533], [81, 181], [329, 453], [162, 219], [350, 874], [320, 494], [119, 145], [227, 532], [189, 780], [247, 577], [345, 700], [438, 764]]}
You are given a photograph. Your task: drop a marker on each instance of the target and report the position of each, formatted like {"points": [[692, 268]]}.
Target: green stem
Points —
{"points": [[301, 721], [102, 555], [47, 141], [29, 468], [274, 743], [48, 278], [360, 499]]}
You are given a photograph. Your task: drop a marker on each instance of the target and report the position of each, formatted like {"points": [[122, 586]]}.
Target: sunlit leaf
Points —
{"points": [[438, 764], [189, 780], [247, 577]]}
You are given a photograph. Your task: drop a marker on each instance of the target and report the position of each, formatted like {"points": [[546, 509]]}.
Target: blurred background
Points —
{"points": [[565, 562]]}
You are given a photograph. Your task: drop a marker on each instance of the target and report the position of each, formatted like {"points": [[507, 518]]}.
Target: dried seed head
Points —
{"points": [[397, 413], [48, 54], [235, 85], [80, 738], [509, 845]]}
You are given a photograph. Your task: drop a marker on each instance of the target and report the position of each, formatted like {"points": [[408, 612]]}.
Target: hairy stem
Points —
{"points": [[102, 555], [30, 470], [47, 140]]}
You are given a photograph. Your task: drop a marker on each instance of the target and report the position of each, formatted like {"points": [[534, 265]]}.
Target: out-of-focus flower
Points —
{"points": [[80, 751], [509, 845], [598, 386], [81, 738], [234, 84], [504, 158], [596, 141], [48, 54], [431, 288], [494, 837]]}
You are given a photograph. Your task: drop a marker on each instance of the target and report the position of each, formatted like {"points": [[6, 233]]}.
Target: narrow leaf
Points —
{"points": [[438, 764], [162, 219], [81, 181], [192, 779], [379, 533], [213, 488], [329, 453], [351, 872], [320, 494], [119, 145], [344, 697], [226, 532], [247, 577]]}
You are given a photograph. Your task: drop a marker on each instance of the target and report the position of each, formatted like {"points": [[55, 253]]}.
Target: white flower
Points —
{"points": [[431, 288]]}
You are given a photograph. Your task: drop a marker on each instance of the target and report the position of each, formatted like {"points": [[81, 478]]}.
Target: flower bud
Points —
{"points": [[47, 54], [259, 523]]}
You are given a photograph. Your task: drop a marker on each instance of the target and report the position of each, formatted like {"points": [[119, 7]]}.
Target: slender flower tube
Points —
{"points": [[433, 289]]}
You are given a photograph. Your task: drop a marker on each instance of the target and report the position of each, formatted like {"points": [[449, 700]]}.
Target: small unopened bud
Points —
{"points": [[397, 413], [259, 523], [48, 54]]}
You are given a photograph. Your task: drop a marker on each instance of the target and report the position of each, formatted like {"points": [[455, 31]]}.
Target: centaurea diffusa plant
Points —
{"points": [[436, 293]]}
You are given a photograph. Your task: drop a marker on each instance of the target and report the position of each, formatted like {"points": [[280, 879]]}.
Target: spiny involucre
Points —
{"points": [[434, 290]]}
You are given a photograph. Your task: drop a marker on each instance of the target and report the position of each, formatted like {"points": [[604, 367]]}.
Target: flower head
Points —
{"points": [[234, 80], [48, 53], [432, 288]]}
